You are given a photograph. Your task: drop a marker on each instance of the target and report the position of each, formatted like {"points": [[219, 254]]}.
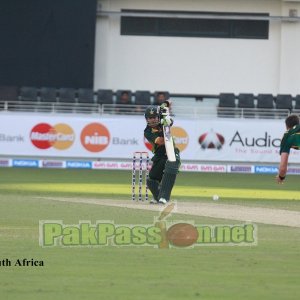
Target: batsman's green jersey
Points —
{"points": [[151, 134], [160, 155], [291, 139]]}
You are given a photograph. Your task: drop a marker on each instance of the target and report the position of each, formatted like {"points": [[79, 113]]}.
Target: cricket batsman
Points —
{"points": [[163, 173]]}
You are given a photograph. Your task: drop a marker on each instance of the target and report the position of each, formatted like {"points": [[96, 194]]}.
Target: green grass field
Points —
{"points": [[270, 270]]}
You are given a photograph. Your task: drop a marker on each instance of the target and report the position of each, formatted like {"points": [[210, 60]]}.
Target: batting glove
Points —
{"points": [[165, 112], [166, 120]]}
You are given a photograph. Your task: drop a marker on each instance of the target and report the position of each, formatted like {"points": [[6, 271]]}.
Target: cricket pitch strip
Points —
{"points": [[214, 210]]}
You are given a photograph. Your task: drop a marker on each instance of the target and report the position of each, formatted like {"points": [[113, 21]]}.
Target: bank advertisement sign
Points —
{"points": [[236, 140]]}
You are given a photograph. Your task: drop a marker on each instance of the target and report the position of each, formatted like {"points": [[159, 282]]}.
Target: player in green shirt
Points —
{"points": [[290, 140], [163, 173]]}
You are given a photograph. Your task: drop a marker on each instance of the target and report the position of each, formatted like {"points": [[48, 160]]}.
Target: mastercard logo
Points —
{"points": [[95, 137], [44, 136]]}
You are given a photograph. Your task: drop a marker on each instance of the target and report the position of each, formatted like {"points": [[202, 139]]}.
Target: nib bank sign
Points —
{"points": [[95, 137]]}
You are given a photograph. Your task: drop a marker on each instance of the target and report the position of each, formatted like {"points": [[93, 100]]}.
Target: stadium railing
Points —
{"points": [[105, 102], [132, 109]]}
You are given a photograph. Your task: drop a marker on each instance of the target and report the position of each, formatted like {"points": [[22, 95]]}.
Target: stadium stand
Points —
{"points": [[265, 106], [123, 102], [296, 109], [67, 100], [297, 102], [246, 102], [142, 98], [48, 94], [48, 98], [158, 99], [284, 101], [86, 101], [85, 96], [265, 101], [67, 95], [104, 96], [8, 94], [29, 93], [28, 98], [124, 97], [106, 101], [226, 106]]}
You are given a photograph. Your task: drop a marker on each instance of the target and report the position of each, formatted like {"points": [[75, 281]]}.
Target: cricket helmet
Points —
{"points": [[152, 112]]}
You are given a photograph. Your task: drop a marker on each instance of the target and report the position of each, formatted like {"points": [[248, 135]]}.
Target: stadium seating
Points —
{"points": [[284, 101], [142, 97], [104, 96], [48, 97], [227, 100], [48, 94], [157, 101], [297, 102], [85, 101], [107, 101], [85, 96], [28, 98], [9, 93], [296, 109], [119, 97], [67, 95], [29, 94], [246, 103], [226, 107], [265, 101], [265, 106]]}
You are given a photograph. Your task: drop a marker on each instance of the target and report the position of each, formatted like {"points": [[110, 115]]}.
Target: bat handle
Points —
{"points": [[167, 103]]}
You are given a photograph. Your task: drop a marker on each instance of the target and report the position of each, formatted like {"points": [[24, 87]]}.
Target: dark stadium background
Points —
{"points": [[47, 43]]}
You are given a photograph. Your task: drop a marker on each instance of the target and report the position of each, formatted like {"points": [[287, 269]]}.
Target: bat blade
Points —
{"points": [[169, 143]]}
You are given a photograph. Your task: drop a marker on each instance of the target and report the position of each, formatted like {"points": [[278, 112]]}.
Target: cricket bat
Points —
{"points": [[169, 143], [168, 137]]}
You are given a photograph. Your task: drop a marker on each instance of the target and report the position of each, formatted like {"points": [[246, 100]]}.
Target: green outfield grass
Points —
{"points": [[232, 188], [270, 270]]}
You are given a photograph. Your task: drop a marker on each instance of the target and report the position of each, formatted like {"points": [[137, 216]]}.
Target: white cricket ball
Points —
{"points": [[215, 197]]}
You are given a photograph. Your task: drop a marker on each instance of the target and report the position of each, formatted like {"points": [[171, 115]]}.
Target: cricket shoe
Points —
{"points": [[153, 201], [162, 201]]}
